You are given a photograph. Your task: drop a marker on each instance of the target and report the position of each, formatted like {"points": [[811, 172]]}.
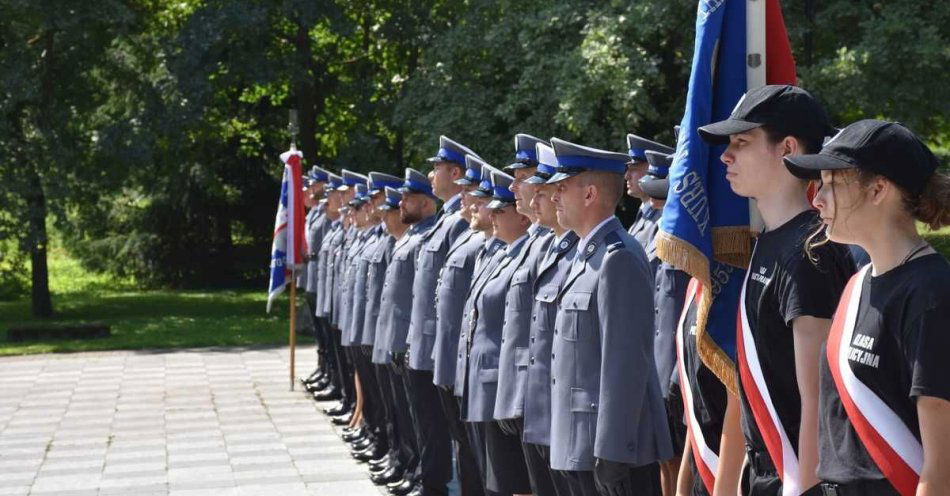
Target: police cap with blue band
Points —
{"points": [[473, 171], [379, 180], [484, 189], [351, 179], [547, 165], [573, 159], [335, 181], [416, 182], [656, 182], [451, 151], [393, 197], [319, 174], [361, 195], [502, 196], [638, 146], [526, 154]]}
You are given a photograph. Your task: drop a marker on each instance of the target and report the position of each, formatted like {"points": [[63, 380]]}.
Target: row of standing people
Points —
{"points": [[520, 330]]}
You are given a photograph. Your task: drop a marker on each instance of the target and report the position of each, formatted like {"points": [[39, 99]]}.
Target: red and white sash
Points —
{"points": [[780, 448], [706, 459], [892, 446]]}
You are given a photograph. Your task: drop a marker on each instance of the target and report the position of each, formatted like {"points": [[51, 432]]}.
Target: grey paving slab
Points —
{"points": [[187, 422]]}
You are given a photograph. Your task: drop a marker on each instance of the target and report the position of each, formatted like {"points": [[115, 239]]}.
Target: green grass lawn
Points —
{"points": [[144, 319]]}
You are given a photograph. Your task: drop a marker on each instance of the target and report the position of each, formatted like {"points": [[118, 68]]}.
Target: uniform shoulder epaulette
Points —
{"points": [[613, 241]]}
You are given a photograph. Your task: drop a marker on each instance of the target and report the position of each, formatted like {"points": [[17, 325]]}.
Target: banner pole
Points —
{"points": [[293, 329]]}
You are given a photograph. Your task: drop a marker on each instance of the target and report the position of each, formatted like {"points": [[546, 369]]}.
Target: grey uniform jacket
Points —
{"points": [[552, 271], [669, 298], [351, 281], [483, 327], [644, 229], [339, 275], [485, 263], [324, 266], [302, 272], [455, 278], [378, 259], [316, 231], [435, 246], [360, 282], [605, 396], [392, 327], [516, 329]]}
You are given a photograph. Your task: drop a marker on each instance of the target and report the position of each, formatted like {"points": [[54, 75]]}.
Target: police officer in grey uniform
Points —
{"points": [[506, 471], [390, 468], [448, 165], [418, 208], [514, 355], [608, 420], [551, 270], [341, 413], [647, 222], [454, 281], [669, 299], [486, 260], [317, 226], [325, 279]]}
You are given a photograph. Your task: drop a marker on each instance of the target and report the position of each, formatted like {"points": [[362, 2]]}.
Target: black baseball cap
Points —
{"points": [[784, 108], [885, 148]]}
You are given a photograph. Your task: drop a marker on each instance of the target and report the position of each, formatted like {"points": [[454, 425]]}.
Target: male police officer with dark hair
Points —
{"points": [[608, 426]]}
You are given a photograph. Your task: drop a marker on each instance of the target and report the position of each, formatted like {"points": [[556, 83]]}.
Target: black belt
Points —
{"points": [[859, 488], [760, 461]]}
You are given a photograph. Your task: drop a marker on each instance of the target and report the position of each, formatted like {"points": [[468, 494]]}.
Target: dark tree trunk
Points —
{"points": [[37, 242]]}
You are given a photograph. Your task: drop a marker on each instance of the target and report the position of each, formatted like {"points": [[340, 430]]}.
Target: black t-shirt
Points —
{"points": [[785, 284], [902, 327]]}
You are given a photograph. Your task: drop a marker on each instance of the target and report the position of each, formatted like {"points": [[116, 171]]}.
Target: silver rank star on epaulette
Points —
{"points": [[591, 248]]}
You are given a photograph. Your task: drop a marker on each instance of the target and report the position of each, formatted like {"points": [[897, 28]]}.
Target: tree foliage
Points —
{"points": [[148, 131]]}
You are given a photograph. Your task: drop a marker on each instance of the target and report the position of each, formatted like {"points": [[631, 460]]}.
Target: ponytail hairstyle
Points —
{"points": [[932, 206]]}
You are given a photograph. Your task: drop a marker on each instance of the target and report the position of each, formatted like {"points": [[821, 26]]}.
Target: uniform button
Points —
{"points": [[656, 311], [657, 332], [657, 287], [552, 356], [532, 340], [555, 332], [531, 361], [593, 406], [502, 340], [534, 318], [553, 381]]}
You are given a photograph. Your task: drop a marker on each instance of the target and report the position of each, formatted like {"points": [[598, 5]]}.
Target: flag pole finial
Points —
{"points": [[293, 127]]}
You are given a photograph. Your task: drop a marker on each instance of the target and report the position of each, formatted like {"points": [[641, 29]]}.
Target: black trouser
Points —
{"points": [[580, 482], [326, 353], [317, 335], [384, 383], [432, 431], [470, 481], [621, 479], [344, 369], [507, 472], [372, 408], [543, 479], [408, 451]]}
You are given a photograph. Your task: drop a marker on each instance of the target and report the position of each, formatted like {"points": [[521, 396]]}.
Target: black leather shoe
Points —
{"points": [[367, 454], [389, 476], [403, 488], [353, 435], [336, 410], [377, 471], [361, 444], [342, 419], [379, 464], [329, 395], [317, 386]]}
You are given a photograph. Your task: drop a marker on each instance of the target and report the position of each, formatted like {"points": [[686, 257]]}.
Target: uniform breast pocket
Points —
{"points": [[428, 257], [584, 406], [574, 308], [519, 293], [452, 274]]}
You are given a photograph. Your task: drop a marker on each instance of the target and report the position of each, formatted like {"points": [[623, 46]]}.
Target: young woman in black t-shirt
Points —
{"points": [[885, 380]]}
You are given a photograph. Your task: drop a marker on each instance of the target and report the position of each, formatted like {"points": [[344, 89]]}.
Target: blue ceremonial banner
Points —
{"points": [[705, 226]]}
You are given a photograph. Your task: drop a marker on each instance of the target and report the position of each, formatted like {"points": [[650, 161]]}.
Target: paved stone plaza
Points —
{"points": [[204, 421]]}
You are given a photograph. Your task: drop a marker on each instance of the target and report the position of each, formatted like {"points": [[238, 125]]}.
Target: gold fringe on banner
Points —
{"points": [[684, 256]]}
